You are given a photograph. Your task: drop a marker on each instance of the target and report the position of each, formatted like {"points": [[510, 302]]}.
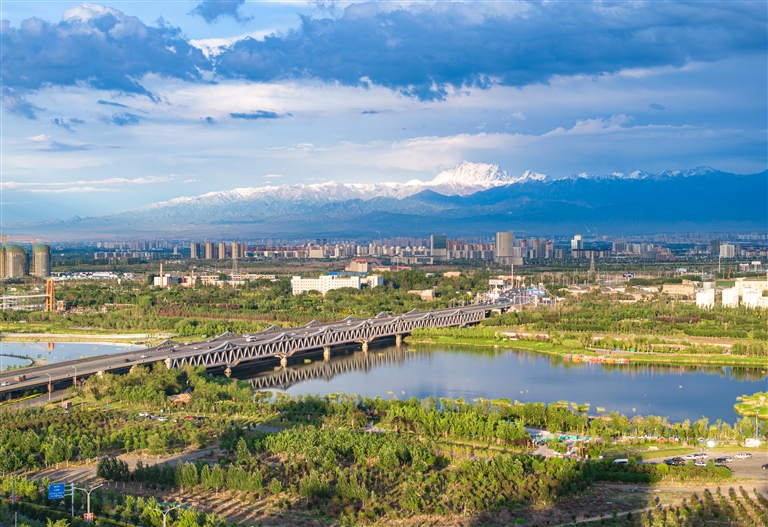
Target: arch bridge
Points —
{"points": [[228, 351]]}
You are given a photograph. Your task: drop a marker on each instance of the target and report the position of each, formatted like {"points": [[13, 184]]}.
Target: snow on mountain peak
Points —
{"points": [[472, 174]]}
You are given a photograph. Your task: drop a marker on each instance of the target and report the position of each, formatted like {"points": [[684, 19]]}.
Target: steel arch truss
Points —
{"points": [[273, 344]]}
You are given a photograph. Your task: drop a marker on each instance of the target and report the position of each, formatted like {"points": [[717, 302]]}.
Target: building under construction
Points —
{"points": [[16, 262]]}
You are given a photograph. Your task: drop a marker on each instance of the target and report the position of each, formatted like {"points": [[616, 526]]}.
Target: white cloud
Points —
{"points": [[272, 176], [189, 180], [80, 186], [38, 138]]}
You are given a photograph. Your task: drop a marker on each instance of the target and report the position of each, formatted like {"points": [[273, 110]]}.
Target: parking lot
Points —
{"points": [[741, 468]]}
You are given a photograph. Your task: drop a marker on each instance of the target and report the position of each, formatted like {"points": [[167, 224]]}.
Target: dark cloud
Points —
{"points": [[58, 121], [657, 106], [212, 10], [258, 114], [97, 46], [15, 104], [121, 119], [426, 51], [111, 103], [369, 112], [209, 120], [74, 120], [56, 146]]}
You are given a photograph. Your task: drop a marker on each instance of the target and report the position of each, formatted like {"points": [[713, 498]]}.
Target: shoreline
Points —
{"points": [[112, 338], [634, 358]]}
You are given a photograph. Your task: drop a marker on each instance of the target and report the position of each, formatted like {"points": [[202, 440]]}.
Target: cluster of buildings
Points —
{"points": [[16, 263], [747, 293]]}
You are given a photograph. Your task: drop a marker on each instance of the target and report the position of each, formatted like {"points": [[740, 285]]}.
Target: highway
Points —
{"points": [[63, 373]]}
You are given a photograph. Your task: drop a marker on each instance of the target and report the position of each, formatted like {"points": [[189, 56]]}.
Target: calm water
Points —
{"points": [[61, 351], [421, 371]]}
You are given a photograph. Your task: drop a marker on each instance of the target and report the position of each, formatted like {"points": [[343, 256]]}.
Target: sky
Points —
{"points": [[110, 106]]}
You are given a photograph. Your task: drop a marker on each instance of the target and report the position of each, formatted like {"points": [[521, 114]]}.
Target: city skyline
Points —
{"points": [[192, 106]]}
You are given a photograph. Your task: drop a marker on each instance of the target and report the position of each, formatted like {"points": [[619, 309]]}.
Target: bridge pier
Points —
{"points": [[326, 353], [365, 346], [398, 340], [228, 372], [284, 361]]}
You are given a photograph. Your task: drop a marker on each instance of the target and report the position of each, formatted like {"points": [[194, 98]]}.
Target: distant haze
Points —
{"points": [[471, 199]]}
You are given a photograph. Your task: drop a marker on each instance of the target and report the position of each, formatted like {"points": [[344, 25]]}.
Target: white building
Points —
{"points": [[373, 280], [754, 298], [706, 299], [731, 297], [727, 250], [323, 284]]}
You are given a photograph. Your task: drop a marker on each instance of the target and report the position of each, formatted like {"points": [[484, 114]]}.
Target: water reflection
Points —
{"points": [[679, 392]]}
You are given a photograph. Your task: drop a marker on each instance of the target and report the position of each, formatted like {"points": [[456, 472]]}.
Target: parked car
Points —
{"points": [[726, 459], [765, 466], [162, 418], [689, 456], [143, 414], [700, 463], [743, 455]]}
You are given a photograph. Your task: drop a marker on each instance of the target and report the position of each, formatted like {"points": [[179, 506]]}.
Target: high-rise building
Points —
{"points": [[504, 249], [194, 251], [577, 245], [727, 250], [209, 250], [42, 260], [16, 264], [438, 244], [222, 250]]}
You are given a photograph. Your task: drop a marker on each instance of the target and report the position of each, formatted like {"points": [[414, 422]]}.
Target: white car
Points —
{"points": [[743, 455], [162, 418], [144, 356], [700, 464], [5, 383], [701, 455], [143, 414], [689, 456]]}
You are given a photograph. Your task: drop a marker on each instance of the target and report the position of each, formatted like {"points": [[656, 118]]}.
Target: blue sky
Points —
{"points": [[114, 105]]}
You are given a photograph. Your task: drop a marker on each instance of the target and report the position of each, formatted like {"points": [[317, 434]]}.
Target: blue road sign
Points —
{"points": [[56, 491]]}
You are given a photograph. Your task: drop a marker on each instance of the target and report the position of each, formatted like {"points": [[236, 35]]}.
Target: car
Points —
{"points": [[143, 414], [689, 457], [162, 419], [6, 383], [726, 459], [701, 455], [144, 356], [765, 466], [188, 417], [126, 360], [700, 463], [743, 455]]}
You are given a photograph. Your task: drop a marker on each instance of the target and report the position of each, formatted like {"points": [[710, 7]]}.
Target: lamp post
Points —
{"points": [[74, 379], [88, 498], [50, 386], [165, 512]]}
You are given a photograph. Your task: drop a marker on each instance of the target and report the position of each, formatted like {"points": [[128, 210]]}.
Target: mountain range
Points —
{"points": [[470, 199]]}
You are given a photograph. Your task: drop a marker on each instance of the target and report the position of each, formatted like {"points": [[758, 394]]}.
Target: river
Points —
{"points": [[423, 370], [46, 352]]}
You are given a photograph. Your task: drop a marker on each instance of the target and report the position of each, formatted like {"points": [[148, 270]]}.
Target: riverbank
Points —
{"points": [[547, 348], [86, 336]]}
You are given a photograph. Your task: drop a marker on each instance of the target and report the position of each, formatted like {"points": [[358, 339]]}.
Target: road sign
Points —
{"points": [[56, 491]]}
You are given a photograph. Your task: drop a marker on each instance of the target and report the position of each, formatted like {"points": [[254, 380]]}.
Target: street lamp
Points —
{"points": [[165, 513], [50, 386], [88, 494], [74, 379]]}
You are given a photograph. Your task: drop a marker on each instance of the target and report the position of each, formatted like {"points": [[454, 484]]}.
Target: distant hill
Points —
{"points": [[471, 199]]}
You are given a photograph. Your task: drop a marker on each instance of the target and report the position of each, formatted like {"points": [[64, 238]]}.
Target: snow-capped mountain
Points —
{"points": [[471, 198]]}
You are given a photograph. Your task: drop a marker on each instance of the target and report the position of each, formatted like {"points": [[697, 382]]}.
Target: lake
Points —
{"points": [[454, 371]]}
